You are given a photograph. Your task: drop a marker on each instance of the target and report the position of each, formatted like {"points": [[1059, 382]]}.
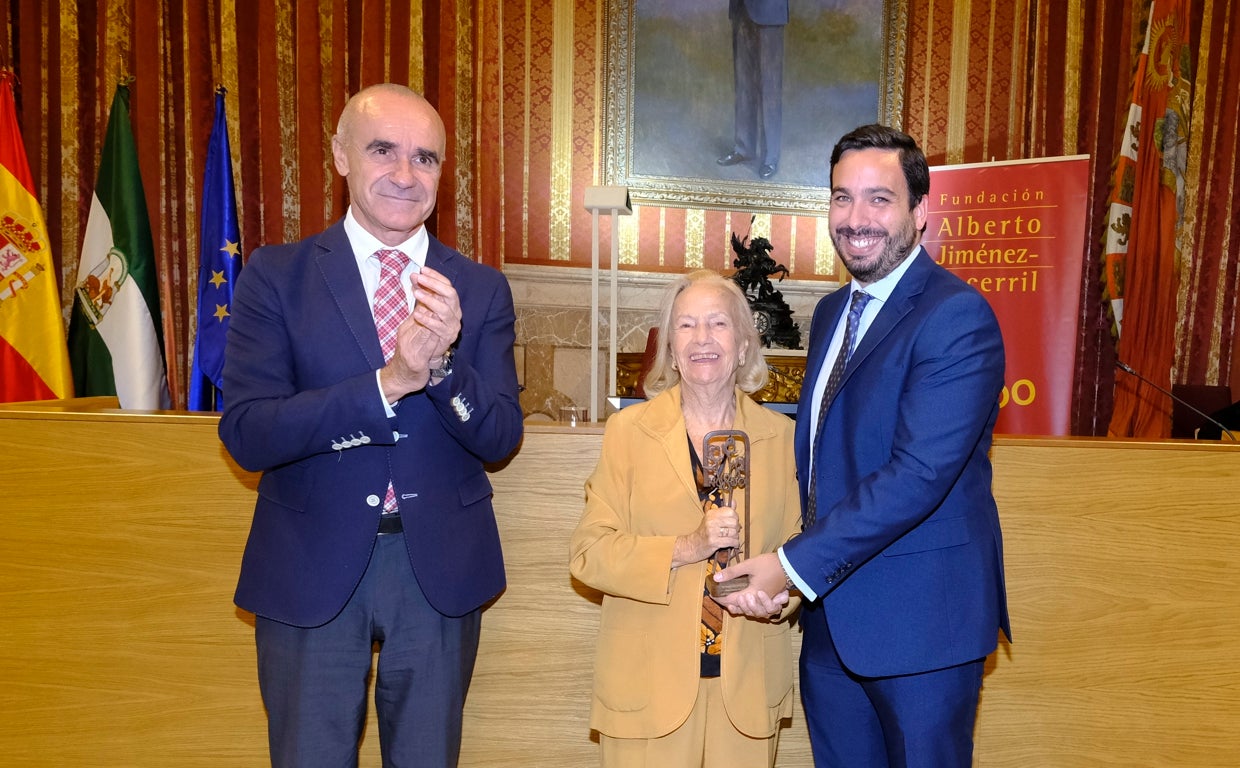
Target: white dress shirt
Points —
{"points": [[365, 245]]}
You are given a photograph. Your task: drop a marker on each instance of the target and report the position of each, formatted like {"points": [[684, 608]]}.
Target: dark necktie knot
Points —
{"points": [[859, 300]]}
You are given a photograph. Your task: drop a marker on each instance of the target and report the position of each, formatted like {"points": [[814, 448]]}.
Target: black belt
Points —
{"points": [[390, 524]]}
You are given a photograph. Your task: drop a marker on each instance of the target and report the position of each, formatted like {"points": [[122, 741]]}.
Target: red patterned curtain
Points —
{"points": [[288, 68], [1037, 78], [520, 83], [1031, 78], [1207, 347]]}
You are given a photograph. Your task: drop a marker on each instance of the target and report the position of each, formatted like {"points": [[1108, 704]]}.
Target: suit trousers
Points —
{"points": [[758, 79], [314, 680], [922, 720]]}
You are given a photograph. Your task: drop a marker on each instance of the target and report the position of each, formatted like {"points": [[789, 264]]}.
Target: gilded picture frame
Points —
{"points": [[669, 103]]}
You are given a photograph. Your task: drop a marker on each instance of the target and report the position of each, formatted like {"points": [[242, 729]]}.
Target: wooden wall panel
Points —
{"points": [[1121, 563], [121, 646]]}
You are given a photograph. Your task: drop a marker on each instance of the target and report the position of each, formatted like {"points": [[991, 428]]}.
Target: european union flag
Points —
{"points": [[219, 265]]}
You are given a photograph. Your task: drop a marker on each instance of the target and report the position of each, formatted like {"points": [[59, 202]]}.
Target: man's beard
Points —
{"points": [[895, 248]]}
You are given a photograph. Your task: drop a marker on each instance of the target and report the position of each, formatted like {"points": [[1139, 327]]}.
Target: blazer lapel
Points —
{"points": [[665, 424], [899, 304], [340, 275], [442, 259], [815, 357], [815, 360]]}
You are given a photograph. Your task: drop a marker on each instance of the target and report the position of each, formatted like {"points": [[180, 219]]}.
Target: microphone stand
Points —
{"points": [[1126, 368]]}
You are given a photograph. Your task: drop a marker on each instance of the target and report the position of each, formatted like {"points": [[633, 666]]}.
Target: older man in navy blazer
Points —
{"points": [[374, 523], [900, 561]]}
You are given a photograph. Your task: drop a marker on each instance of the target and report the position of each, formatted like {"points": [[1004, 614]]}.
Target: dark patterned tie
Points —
{"points": [[859, 300], [391, 309]]}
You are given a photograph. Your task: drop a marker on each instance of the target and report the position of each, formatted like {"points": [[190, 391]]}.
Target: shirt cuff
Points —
{"points": [[387, 408], [806, 592]]}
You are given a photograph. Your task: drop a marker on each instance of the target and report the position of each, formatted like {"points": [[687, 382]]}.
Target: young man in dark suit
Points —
{"points": [[900, 561]]}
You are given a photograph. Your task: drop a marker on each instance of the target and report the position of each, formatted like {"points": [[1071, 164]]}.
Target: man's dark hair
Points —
{"points": [[912, 160]]}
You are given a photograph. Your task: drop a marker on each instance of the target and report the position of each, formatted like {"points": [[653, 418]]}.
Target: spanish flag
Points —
{"points": [[34, 361]]}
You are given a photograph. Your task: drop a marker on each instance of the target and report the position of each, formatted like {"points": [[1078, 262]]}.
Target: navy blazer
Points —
{"points": [[767, 13], [303, 407], [906, 552]]}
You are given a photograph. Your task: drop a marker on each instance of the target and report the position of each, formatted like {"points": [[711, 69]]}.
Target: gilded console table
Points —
{"points": [[786, 366]]}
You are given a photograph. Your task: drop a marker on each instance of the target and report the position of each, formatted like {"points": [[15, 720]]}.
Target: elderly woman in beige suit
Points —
{"points": [[678, 681]]}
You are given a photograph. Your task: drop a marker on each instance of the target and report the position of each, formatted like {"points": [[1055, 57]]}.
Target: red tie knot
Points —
{"points": [[390, 258]]}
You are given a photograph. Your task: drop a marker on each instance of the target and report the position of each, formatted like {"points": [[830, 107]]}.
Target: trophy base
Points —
{"points": [[724, 588]]}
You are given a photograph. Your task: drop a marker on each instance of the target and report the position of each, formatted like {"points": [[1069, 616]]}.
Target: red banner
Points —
{"points": [[1015, 231]]}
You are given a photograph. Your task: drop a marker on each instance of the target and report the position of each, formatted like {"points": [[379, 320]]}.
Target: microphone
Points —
{"points": [[1126, 368]]}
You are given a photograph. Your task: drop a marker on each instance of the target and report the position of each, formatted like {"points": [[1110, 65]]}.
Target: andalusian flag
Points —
{"points": [[114, 341], [219, 263], [34, 363]]}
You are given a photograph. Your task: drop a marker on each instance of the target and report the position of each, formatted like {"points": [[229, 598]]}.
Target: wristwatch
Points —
{"points": [[789, 584], [444, 367]]}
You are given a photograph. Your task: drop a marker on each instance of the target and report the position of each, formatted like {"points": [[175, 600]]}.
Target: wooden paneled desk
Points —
{"points": [[122, 534]]}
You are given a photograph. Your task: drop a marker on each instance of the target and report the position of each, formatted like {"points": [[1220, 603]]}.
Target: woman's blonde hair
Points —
{"points": [[751, 375]]}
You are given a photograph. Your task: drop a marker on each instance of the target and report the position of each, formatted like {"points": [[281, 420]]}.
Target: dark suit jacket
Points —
{"points": [[304, 408], [906, 553], [763, 12]]}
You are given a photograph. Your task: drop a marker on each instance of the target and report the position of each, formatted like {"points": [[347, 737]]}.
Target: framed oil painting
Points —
{"points": [[679, 110]]}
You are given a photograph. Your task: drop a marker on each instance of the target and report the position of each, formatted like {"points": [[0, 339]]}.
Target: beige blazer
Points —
{"points": [[639, 499]]}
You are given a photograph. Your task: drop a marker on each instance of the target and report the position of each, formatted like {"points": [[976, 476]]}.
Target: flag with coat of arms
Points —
{"points": [[1144, 236], [114, 334], [34, 361]]}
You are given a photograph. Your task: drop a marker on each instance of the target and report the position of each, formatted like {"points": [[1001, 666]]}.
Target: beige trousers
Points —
{"points": [[707, 739]]}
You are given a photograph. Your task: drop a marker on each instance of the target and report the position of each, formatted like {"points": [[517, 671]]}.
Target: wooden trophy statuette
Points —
{"points": [[725, 463]]}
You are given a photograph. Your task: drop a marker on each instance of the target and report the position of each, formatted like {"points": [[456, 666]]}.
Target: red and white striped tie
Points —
{"points": [[391, 309]]}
